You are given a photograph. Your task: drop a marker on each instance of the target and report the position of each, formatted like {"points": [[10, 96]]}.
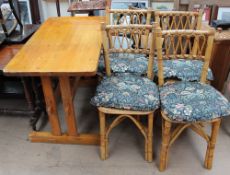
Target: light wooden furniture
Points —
{"points": [[174, 50], [125, 17], [179, 20], [62, 47], [135, 32], [169, 20], [128, 16]]}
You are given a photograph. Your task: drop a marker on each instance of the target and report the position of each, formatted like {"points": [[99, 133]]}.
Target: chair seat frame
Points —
{"points": [[200, 49], [121, 114]]}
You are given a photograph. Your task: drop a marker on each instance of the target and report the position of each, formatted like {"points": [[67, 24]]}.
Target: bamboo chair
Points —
{"points": [[134, 32], [173, 50], [127, 17], [172, 20], [181, 20], [130, 16]]}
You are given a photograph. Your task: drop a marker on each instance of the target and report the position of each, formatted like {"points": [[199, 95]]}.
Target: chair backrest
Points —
{"points": [[126, 34], [184, 44], [128, 16], [169, 20]]}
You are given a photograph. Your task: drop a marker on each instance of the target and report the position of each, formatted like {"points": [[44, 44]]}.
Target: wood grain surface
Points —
{"points": [[62, 46]]}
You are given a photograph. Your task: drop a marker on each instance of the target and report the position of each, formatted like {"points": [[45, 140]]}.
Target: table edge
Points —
{"points": [[51, 74]]}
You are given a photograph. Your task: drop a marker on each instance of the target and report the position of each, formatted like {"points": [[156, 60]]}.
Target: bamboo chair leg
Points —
{"points": [[150, 138], [146, 149], [166, 135], [106, 148], [211, 144], [102, 135]]}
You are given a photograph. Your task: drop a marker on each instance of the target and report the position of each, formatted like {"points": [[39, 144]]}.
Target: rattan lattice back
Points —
{"points": [[125, 34], [169, 20], [128, 16], [184, 44]]}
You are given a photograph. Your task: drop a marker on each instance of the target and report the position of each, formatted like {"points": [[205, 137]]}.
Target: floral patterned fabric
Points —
{"points": [[193, 101], [127, 91], [186, 70], [125, 63]]}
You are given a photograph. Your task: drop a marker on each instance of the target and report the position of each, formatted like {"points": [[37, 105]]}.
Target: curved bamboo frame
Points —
{"points": [[189, 44], [147, 132], [110, 33], [169, 137], [169, 20], [130, 16], [125, 34], [175, 48]]}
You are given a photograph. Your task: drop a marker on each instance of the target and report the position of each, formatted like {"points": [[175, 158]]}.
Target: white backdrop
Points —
{"points": [[48, 8]]}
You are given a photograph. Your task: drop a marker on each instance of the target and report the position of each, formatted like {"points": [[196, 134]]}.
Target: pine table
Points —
{"points": [[63, 47]]}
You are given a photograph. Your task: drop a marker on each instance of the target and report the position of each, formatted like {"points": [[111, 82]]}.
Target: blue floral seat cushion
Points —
{"points": [[125, 63], [126, 91], [186, 70], [193, 101]]}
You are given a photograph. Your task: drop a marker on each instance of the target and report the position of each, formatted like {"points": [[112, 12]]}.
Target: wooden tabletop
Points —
{"points": [[62, 46]]}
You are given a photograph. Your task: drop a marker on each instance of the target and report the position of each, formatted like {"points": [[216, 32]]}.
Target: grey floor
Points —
{"points": [[20, 157]]}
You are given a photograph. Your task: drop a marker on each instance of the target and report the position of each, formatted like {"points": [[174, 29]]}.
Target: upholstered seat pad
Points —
{"points": [[186, 70], [126, 63], [193, 101], [126, 91]]}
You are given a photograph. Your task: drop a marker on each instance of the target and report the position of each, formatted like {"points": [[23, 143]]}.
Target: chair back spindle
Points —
{"points": [[125, 34], [179, 44], [170, 20], [128, 16]]}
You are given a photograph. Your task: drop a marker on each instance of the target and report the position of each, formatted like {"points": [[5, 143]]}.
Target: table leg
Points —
{"points": [[51, 105], [67, 99], [72, 136]]}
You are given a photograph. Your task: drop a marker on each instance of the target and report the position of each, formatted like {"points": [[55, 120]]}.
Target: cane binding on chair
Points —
{"points": [[180, 44], [121, 34], [110, 34], [175, 48], [128, 16], [182, 20], [172, 20]]}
